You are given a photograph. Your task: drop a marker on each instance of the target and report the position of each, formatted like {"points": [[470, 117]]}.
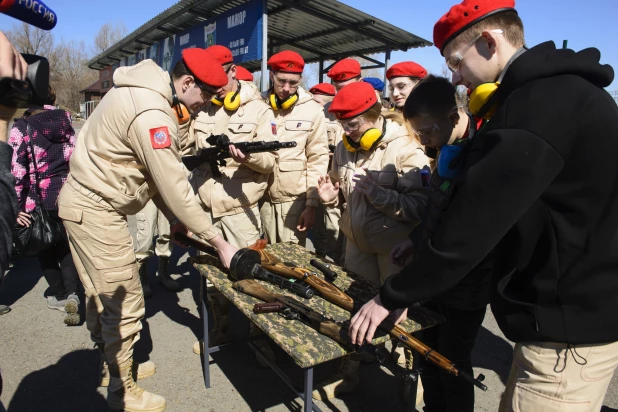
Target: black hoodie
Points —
{"points": [[541, 187]]}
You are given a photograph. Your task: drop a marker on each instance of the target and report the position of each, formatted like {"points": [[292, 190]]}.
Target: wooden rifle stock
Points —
{"points": [[331, 293], [325, 289], [327, 327], [334, 295]]}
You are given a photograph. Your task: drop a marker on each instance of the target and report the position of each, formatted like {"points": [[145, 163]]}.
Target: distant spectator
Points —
{"points": [[53, 140]]}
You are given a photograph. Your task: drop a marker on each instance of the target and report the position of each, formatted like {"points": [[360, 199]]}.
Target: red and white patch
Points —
{"points": [[160, 137], [273, 128]]}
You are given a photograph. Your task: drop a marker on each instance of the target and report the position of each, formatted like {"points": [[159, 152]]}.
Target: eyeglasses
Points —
{"points": [[353, 125], [206, 91], [426, 131], [282, 82], [400, 86], [455, 59]]}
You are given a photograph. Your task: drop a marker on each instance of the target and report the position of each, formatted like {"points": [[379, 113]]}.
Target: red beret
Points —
{"points": [[345, 69], [287, 61], [353, 99], [243, 74], [406, 69], [204, 66], [221, 53], [462, 16], [323, 88]]}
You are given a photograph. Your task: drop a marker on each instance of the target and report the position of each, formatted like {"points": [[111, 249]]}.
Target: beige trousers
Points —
{"points": [[328, 240], [280, 220], [374, 267], [240, 230], [144, 226], [102, 250], [550, 377]]}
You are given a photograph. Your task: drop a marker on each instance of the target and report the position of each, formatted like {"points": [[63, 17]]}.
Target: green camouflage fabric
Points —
{"points": [[306, 346]]}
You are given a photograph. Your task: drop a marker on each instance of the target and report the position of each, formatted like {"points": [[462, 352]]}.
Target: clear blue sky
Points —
{"points": [[591, 23]]}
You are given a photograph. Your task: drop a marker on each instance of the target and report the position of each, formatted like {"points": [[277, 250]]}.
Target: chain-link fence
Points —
{"points": [[614, 94]]}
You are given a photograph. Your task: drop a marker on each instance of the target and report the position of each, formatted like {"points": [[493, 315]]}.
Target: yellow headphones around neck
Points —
{"points": [[231, 101], [482, 99], [368, 141], [278, 104], [482, 96]]}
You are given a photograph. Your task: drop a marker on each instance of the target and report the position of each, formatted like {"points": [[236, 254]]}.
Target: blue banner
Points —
{"points": [[239, 29]]}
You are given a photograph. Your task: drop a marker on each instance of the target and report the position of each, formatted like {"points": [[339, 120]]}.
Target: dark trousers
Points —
{"points": [[455, 340], [58, 268]]}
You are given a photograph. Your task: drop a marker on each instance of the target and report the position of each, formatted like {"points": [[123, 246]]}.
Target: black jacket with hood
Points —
{"points": [[541, 187]]}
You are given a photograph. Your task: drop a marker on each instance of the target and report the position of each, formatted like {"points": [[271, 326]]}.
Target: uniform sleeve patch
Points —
{"points": [[273, 127], [160, 137]]}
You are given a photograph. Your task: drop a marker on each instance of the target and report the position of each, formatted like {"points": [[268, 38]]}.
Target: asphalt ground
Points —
{"points": [[47, 366]]}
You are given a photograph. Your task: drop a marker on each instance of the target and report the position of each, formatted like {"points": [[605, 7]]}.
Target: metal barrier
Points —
{"points": [[87, 108]]}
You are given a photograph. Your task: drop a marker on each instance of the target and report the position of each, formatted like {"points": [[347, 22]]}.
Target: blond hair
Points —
{"points": [[508, 21]]}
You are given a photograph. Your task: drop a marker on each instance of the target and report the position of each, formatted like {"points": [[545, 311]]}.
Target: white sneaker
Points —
{"points": [[56, 304]]}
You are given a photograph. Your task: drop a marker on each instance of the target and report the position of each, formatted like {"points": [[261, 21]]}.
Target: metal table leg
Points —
{"points": [[308, 384], [205, 352], [308, 390]]}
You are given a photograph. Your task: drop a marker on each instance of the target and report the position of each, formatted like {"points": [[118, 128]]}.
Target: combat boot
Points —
{"points": [[123, 394], [140, 370], [220, 334], [164, 275], [346, 381], [143, 277]]}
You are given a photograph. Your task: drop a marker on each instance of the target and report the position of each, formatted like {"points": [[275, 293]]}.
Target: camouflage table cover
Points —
{"points": [[306, 346]]}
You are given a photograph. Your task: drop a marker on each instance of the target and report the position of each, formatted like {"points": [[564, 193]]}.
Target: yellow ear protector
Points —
{"points": [[231, 101], [278, 104], [482, 96], [368, 141], [182, 113], [482, 101]]}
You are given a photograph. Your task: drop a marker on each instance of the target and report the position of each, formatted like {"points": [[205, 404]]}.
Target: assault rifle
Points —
{"points": [[334, 295], [220, 150], [247, 266], [291, 309]]}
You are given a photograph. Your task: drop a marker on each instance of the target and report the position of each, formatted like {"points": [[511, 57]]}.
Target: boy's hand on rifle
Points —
{"points": [[179, 228], [238, 156], [364, 324]]}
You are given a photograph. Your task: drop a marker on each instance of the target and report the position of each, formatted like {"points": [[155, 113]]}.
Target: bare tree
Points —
{"points": [[74, 75], [30, 39], [108, 35]]}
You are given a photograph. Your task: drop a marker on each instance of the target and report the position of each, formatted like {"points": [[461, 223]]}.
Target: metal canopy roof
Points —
{"points": [[317, 29]]}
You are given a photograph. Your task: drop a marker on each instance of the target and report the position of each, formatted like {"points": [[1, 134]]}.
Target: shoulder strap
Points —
{"points": [[33, 155]]}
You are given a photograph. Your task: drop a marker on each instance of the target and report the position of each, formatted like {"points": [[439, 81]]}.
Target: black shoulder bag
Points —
{"points": [[44, 231]]}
